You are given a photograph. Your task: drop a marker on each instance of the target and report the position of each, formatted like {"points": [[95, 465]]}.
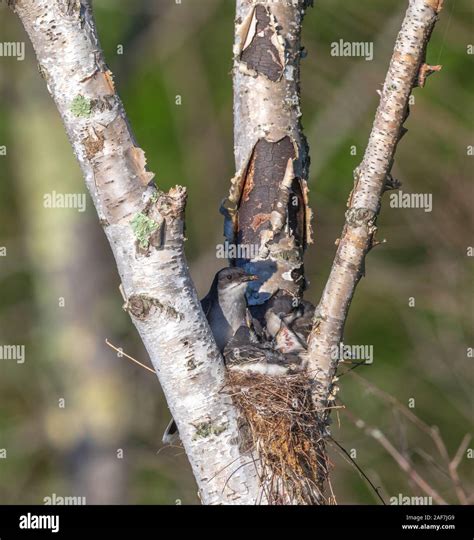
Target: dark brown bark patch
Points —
{"points": [[93, 143], [261, 55], [261, 187], [259, 220]]}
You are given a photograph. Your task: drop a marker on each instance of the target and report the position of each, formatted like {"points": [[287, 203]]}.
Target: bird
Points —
{"points": [[225, 305], [245, 353], [303, 324], [288, 322], [225, 308]]}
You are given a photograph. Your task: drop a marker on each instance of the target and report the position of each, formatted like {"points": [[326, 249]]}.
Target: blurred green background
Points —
{"points": [[59, 289]]}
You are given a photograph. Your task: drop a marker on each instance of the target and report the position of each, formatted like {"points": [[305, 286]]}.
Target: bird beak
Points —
{"points": [[249, 277]]}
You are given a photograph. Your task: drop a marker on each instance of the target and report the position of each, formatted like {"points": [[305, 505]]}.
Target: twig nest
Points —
{"points": [[285, 431]]}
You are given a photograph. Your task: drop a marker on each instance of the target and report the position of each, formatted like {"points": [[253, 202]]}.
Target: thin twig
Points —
{"points": [[121, 352], [361, 472], [402, 462], [453, 469], [431, 431]]}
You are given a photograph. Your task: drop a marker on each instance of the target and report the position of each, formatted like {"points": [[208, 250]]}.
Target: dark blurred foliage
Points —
{"points": [[184, 50]]}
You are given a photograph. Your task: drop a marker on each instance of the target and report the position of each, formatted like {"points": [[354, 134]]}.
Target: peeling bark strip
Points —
{"points": [[268, 200], [371, 179], [264, 53], [145, 229]]}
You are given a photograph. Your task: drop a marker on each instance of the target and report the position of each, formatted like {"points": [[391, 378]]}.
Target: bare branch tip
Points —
{"points": [[178, 192]]}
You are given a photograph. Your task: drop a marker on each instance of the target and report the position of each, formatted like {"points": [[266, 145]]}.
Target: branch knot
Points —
{"points": [[357, 217]]}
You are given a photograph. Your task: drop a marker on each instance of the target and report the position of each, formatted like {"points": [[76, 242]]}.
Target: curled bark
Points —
{"points": [[145, 229], [407, 69], [267, 210]]}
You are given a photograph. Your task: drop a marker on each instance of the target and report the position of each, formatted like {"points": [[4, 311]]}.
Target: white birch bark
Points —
{"points": [[267, 207], [145, 229], [268, 202], [407, 69]]}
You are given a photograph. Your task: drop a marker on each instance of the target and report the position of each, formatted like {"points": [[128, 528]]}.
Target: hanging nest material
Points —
{"points": [[284, 431]]}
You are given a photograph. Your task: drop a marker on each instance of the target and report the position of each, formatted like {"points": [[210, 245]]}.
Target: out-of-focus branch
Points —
{"points": [[145, 229], [433, 433], [407, 69], [401, 460], [453, 469]]}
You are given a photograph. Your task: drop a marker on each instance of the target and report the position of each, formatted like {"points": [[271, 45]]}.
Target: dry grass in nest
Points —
{"points": [[283, 429]]}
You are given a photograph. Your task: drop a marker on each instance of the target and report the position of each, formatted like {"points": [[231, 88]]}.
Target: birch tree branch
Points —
{"points": [[145, 229], [267, 208], [407, 69]]}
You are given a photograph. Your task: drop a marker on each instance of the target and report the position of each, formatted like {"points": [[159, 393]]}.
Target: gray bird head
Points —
{"points": [[233, 279]]}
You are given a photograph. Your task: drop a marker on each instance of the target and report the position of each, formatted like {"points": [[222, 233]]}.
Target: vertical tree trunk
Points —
{"points": [[266, 214]]}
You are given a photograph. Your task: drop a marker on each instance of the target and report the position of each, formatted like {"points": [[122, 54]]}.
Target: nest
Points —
{"points": [[284, 431]]}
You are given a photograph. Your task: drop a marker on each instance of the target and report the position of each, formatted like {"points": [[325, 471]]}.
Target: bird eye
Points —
{"points": [[229, 277]]}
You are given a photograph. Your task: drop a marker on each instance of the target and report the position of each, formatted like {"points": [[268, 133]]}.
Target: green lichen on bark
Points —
{"points": [[206, 429], [143, 227], [81, 107]]}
